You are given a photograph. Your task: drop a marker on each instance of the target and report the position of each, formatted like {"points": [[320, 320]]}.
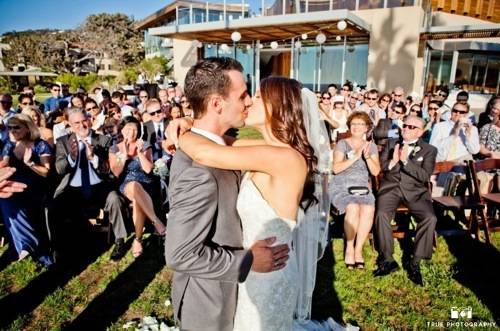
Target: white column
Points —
{"points": [[454, 63], [343, 62], [257, 65]]}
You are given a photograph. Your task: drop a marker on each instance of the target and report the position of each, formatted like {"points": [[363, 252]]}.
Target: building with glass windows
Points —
{"points": [[416, 44]]}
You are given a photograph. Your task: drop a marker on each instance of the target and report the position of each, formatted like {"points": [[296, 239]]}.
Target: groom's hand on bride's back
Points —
{"points": [[267, 258]]}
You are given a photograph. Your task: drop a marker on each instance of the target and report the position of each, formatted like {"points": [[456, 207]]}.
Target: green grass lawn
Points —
{"points": [[102, 294]]}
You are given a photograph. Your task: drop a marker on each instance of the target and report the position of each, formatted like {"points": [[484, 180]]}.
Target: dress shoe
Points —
{"points": [[119, 250], [386, 268], [414, 274]]}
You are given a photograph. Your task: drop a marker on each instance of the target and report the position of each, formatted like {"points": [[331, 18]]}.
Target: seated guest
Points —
{"points": [[456, 139], [24, 102], [339, 115], [416, 110], [463, 98], [383, 103], [354, 159], [407, 166], [370, 106], [489, 140], [431, 118], [390, 127], [39, 120], [51, 104], [186, 106], [62, 128], [154, 128], [176, 111], [131, 160], [487, 116], [82, 160], [23, 212]]}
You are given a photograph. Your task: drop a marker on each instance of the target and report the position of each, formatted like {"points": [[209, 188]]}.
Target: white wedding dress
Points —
{"points": [[266, 301]]}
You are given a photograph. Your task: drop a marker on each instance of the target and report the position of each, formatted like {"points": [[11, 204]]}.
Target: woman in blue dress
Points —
{"points": [[23, 212], [131, 160]]}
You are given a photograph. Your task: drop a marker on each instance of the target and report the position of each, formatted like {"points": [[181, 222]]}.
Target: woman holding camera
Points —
{"points": [[354, 160]]}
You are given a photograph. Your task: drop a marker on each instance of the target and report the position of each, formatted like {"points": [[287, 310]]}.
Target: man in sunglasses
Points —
{"points": [[51, 104], [390, 127], [407, 166], [398, 95], [371, 107], [154, 129], [456, 139]]}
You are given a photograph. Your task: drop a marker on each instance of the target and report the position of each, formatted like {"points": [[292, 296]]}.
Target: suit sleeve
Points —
{"points": [[422, 173], [62, 164], [380, 130], [385, 156], [193, 201]]}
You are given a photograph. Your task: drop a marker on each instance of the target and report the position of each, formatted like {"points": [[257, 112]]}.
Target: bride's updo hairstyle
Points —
{"points": [[287, 123]]}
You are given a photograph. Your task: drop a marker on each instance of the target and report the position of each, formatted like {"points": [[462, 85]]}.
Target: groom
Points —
{"points": [[204, 237]]}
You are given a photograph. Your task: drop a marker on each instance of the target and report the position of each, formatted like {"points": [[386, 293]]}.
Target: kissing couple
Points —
{"points": [[229, 236]]}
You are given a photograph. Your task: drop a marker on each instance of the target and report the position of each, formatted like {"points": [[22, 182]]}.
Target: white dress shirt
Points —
{"points": [[210, 135], [442, 139], [76, 181]]}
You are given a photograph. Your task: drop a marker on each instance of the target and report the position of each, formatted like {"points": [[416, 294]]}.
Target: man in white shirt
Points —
{"points": [[82, 161], [456, 139]]}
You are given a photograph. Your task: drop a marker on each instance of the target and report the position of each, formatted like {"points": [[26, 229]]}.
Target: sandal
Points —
{"points": [[359, 265], [137, 248], [350, 266], [160, 228]]}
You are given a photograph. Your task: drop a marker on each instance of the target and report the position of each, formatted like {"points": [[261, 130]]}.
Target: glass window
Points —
{"points": [[371, 4]]}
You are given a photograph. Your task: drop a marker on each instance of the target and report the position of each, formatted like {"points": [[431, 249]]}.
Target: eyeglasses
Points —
{"points": [[398, 95], [409, 126], [183, 101], [386, 100], [398, 112], [26, 103], [367, 98], [433, 108], [358, 124], [454, 110], [155, 112], [90, 108], [415, 109], [14, 127], [326, 98]]}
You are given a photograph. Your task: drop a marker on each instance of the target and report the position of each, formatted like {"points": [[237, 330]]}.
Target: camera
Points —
{"points": [[456, 312]]}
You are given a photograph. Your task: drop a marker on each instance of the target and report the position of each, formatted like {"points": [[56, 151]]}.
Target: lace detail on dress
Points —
{"points": [[266, 301]]}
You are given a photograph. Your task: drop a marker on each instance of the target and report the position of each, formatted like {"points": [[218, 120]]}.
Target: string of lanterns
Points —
{"points": [[320, 38]]}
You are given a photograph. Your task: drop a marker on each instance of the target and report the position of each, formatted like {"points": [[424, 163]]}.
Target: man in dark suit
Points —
{"points": [[407, 165], [82, 161], [154, 129], [389, 127]]}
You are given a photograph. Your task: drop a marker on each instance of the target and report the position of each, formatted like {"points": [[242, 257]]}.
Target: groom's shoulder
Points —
{"points": [[181, 163]]}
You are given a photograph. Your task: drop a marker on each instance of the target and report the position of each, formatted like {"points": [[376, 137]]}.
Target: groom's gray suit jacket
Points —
{"points": [[204, 244]]}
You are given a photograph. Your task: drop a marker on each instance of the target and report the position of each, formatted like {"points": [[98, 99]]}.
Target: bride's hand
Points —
{"points": [[178, 127]]}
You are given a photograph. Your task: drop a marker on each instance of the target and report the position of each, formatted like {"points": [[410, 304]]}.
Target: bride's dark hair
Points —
{"points": [[287, 124]]}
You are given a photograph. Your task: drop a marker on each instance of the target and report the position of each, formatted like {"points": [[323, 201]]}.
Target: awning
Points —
{"points": [[269, 28], [461, 32]]}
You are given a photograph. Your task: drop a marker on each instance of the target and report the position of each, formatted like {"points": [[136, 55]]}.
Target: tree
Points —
{"points": [[152, 66]]}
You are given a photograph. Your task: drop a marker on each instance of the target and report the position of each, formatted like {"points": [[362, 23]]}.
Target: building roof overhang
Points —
{"points": [[269, 28], [461, 32]]}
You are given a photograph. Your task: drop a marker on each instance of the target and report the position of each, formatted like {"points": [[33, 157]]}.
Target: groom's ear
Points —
{"points": [[215, 103]]}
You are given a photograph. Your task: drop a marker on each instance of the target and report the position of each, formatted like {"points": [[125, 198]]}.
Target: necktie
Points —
{"points": [[158, 133], [84, 172], [372, 114]]}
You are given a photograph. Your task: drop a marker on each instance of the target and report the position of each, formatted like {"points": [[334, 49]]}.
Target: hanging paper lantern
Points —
{"points": [[321, 38], [304, 36], [341, 25], [274, 44], [338, 38], [298, 44], [235, 36]]}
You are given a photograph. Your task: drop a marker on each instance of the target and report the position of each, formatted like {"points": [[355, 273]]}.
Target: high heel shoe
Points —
{"points": [[160, 228], [137, 248]]}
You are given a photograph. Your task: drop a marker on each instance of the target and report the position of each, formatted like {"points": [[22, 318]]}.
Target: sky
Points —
{"points": [[20, 15]]}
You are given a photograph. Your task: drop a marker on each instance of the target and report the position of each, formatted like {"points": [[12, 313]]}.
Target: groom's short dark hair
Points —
{"points": [[207, 77]]}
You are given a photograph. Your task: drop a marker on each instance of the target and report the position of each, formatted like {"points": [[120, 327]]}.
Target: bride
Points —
{"points": [[278, 181]]}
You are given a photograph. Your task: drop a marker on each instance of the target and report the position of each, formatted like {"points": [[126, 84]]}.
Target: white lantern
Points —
{"points": [[249, 47], [298, 44], [338, 38], [321, 38], [235, 36], [341, 25], [274, 44], [304, 36], [209, 46], [224, 47]]}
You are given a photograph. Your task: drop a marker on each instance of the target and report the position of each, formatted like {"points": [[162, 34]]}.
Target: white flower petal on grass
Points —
{"points": [[129, 324], [168, 303]]}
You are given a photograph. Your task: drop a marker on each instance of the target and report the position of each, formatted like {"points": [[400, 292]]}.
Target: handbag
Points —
{"points": [[358, 190]]}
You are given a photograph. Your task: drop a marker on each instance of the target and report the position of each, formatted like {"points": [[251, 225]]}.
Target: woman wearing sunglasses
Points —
{"points": [[23, 212]]}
